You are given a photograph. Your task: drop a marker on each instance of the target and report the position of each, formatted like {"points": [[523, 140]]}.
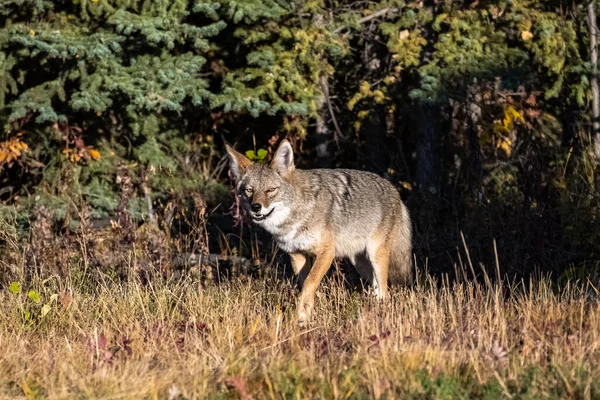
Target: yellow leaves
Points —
{"points": [[363, 114], [511, 115], [12, 149], [404, 34], [378, 96], [506, 127], [329, 69], [95, 154], [365, 92], [31, 33], [365, 88], [406, 185], [355, 99], [16, 147], [505, 144], [526, 35], [72, 155], [86, 153], [360, 118], [525, 26]]}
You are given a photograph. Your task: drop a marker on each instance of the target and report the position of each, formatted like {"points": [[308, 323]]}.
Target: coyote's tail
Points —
{"points": [[401, 268]]}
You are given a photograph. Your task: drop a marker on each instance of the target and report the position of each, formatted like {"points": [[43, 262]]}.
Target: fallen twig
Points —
{"points": [[289, 338], [246, 264]]}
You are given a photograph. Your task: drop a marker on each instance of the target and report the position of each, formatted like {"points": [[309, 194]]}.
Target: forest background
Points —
{"points": [[479, 111]]}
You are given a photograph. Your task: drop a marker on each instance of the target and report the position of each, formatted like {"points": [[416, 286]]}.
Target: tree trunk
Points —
{"points": [[594, 79], [473, 118], [428, 157], [323, 137], [375, 147]]}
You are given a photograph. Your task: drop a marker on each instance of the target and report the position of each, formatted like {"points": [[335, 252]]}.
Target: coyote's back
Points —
{"points": [[362, 210], [328, 213]]}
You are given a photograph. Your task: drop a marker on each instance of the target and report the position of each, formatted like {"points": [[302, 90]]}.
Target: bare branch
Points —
{"points": [[325, 89], [369, 17]]}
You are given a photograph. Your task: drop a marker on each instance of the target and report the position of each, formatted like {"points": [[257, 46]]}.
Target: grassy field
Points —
{"points": [[179, 339]]}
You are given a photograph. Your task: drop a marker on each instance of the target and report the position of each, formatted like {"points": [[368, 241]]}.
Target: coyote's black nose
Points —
{"points": [[255, 207]]}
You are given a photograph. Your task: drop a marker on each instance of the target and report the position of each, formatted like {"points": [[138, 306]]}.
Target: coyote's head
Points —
{"points": [[265, 190]]}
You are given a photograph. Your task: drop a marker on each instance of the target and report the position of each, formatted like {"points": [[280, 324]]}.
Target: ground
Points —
{"points": [[178, 338]]}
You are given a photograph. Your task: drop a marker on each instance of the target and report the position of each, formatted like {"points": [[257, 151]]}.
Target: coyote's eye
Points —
{"points": [[249, 191], [271, 190]]}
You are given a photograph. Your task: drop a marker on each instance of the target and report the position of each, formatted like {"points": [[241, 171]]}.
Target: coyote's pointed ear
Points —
{"points": [[283, 161], [238, 163]]}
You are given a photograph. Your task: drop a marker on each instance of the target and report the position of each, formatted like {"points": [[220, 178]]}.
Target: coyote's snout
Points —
{"points": [[327, 213]]}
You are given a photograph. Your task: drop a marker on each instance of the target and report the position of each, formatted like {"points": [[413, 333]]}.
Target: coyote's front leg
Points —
{"points": [[320, 267], [300, 266]]}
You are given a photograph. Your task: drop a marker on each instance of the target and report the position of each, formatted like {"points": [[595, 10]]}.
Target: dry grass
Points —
{"points": [[179, 339]]}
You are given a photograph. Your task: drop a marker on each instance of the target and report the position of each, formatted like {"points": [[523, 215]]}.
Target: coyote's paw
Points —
{"points": [[376, 292], [305, 307]]}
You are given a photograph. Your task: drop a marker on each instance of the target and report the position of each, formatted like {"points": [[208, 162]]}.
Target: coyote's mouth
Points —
{"points": [[262, 217]]}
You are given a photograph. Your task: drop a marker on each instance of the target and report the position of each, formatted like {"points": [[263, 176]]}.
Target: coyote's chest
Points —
{"points": [[290, 235], [297, 239]]}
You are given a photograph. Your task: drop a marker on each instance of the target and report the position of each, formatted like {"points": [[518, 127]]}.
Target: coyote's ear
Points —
{"points": [[283, 161], [238, 163]]}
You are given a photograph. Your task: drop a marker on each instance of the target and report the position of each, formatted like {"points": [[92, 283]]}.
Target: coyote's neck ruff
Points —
{"points": [[327, 213]]}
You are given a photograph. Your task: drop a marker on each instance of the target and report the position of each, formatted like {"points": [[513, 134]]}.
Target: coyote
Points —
{"points": [[327, 213]]}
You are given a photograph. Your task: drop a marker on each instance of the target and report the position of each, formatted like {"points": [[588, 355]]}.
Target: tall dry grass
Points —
{"points": [[239, 339], [108, 315]]}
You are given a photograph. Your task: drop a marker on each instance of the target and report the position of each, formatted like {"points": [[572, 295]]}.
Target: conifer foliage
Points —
{"points": [[100, 83], [97, 81]]}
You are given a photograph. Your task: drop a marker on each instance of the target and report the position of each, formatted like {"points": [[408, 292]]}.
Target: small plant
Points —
{"points": [[34, 310], [14, 288], [258, 156]]}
